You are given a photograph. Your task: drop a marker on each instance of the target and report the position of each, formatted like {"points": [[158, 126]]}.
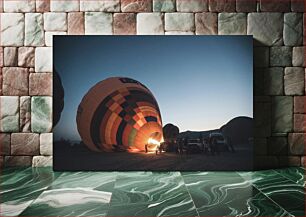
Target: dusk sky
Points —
{"points": [[200, 82]]}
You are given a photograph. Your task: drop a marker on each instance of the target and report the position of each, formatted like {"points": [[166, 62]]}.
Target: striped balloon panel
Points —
{"points": [[126, 118]]}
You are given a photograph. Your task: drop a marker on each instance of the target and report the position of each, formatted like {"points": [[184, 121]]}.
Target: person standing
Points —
{"points": [[201, 142], [211, 145], [176, 147], [181, 146], [230, 144], [206, 146], [186, 145], [161, 147], [216, 146]]}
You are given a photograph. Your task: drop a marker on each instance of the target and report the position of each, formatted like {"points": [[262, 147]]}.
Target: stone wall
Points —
{"points": [[27, 27]]}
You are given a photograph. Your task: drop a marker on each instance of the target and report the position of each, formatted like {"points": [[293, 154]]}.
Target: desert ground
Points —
{"points": [[80, 158]]}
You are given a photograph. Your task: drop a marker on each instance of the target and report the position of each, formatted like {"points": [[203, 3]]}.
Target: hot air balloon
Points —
{"points": [[170, 132], [119, 114], [58, 97]]}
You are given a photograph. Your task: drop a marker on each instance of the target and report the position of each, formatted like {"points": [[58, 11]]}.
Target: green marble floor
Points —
{"points": [[42, 192]]}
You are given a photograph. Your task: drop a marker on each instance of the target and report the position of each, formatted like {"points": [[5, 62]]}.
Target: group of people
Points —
{"points": [[207, 145], [159, 149]]}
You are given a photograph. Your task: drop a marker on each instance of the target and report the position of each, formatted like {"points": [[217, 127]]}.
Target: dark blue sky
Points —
{"points": [[200, 82]]}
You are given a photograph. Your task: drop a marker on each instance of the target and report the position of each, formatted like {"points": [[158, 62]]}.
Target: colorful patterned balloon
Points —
{"points": [[119, 114]]}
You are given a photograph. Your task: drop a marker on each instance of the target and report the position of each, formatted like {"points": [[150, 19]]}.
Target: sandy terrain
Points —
{"points": [[82, 159]]}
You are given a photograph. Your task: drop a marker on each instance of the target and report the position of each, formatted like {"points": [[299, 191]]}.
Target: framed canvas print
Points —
{"points": [[157, 103]]}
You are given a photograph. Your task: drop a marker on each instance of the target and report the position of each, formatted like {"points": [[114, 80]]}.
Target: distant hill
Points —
{"points": [[240, 129]]}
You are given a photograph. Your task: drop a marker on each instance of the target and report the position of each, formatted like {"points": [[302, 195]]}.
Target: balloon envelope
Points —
{"points": [[118, 114]]}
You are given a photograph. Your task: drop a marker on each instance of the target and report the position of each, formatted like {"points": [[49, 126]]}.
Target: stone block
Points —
{"points": [[49, 37], [42, 5], [206, 23], [9, 115], [297, 6], [246, 5], [17, 161], [12, 29], [10, 55], [274, 81], [136, 5], [293, 29], [222, 5], [261, 56], [303, 161], [150, 24], [15, 81], [289, 161], [40, 84], [124, 24], [298, 56], [259, 81], [260, 146], [299, 104], [262, 119], [280, 56], [98, 23], [191, 5], [179, 22], [271, 6], [25, 114], [26, 56], [278, 146], [43, 59], [232, 24], [1, 56], [46, 143], [265, 162], [24, 144], [101, 5], [163, 5], [19, 6], [5, 144], [1, 157], [296, 143], [41, 114], [294, 81], [76, 23], [34, 29], [65, 6], [282, 117], [42, 161], [299, 123], [179, 33], [304, 29], [266, 28], [1, 81], [55, 21]]}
